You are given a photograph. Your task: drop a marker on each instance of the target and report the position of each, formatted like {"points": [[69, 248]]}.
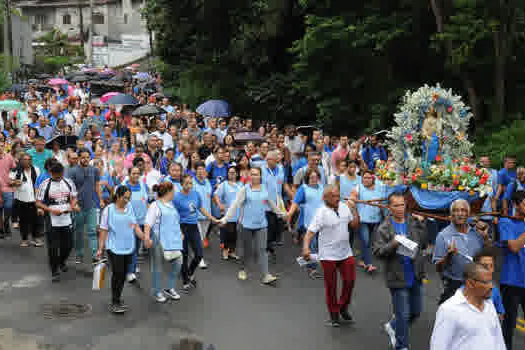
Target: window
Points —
{"points": [[98, 18], [66, 19], [40, 19]]}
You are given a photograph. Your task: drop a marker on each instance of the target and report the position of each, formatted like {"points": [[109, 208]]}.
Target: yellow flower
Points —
{"points": [[461, 188], [424, 186], [454, 176], [472, 193]]}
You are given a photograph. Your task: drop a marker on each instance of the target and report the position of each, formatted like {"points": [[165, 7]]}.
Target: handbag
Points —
{"points": [[169, 255]]}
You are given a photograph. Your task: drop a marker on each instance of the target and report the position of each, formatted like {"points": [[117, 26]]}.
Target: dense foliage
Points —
{"points": [[343, 63]]}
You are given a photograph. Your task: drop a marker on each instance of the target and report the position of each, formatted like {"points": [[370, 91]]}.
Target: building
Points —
{"points": [[119, 32], [21, 48]]}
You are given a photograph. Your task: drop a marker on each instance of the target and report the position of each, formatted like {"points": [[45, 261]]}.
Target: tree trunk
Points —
{"points": [[438, 8]]}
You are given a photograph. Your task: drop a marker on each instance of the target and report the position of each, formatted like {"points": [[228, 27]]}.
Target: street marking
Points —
{"points": [[29, 281]]}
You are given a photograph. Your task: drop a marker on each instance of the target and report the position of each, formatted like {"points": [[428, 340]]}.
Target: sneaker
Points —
{"points": [[24, 244], [314, 275], [63, 268], [389, 330], [203, 265], [225, 255], [55, 277], [232, 256], [334, 320], [117, 308], [38, 242], [345, 315], [186, 288], [160, 298], [79, 260], [268, 279], [15, 225], [242, 275], [131, 277], [172, 293]]}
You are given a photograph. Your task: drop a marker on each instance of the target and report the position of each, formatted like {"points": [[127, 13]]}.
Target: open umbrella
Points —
{"points": [[214, 108], [57, 81], [10, 105], [158, 95], [79, 79], [148, 110], [63, 140], [122, 99], [107, 96], [43, 76], [135, 65]]}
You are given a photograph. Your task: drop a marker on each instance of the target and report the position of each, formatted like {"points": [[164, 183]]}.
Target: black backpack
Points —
{"points": [[46, 192]]}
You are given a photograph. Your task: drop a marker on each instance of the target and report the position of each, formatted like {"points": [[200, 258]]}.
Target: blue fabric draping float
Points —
{"points": [[431, 200]]}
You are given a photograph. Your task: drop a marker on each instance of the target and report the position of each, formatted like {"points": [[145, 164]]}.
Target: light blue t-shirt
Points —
{"points": [[120, 226], [204, 190], [227, 193]]}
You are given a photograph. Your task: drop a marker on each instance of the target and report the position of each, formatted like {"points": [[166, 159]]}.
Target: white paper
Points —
{"points": [[406, 247], [302, 262]]}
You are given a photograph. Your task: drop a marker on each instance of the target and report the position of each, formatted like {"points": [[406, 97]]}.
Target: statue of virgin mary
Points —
{"points": [[431, 134]]}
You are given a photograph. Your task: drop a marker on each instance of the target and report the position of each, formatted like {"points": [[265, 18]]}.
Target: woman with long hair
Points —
{"points": [[163, 227], [254, 203], [188, 204], [224, 198], [243, 165], [192, 164], [203, 187], [118, 228]]}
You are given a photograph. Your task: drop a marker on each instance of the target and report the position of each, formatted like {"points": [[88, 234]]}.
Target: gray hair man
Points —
{"points": [[456, 245]]}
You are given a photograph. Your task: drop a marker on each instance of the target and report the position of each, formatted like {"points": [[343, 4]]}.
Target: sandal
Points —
{"points": [[371, 269]]}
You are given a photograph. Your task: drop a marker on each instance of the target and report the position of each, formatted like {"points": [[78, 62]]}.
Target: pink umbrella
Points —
{"points": [[57, 81], [70, 90], [135, 65], [107, 96]]}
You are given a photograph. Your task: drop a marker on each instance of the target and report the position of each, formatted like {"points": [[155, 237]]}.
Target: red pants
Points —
{"points": [[347, 270]]}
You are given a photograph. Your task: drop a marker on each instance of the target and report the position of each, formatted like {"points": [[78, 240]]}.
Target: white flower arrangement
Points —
{"points": [[449, 120]]}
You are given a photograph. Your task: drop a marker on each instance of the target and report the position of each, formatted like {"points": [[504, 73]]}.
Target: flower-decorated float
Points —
{"points": [[430, 152]]}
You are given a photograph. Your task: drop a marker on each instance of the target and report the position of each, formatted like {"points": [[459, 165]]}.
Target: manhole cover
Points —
{"points": [[65, 310]]}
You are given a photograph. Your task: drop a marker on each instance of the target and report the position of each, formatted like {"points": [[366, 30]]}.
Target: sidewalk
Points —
{"points": [[26, 295]]}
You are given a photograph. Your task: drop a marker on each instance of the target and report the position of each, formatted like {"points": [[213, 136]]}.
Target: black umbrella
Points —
{"points": [[248, 136], [63, 140], [122, 100], [79, 79], [33, 81], [148, 110], [44, 76]]}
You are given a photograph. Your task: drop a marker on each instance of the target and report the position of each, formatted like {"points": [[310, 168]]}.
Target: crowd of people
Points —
{"points": [[162, 186]]}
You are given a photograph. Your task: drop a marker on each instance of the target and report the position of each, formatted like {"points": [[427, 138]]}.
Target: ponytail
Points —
{"points": [[162, 189]]}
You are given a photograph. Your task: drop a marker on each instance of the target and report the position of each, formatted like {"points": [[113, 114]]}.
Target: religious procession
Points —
{"points": [[140, 189]]}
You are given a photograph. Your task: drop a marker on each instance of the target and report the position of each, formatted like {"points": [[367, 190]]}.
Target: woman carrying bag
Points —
{"points": [[118, 227], [163, 226]]}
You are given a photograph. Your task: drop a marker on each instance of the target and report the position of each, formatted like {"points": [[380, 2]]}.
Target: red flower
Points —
{"points": [[438, 158], [465, 168], [456, 182], [483, 181], [408, 137], [485, 176], [449, 109], [414, 178], [479, 172]]}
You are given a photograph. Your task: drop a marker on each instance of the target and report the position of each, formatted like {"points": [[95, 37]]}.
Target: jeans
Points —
{"points": [[157, 264], [59, 244], [8, 198], [347, 270], [259, 239], [365, 235], [86, 222], [118, 264], [512, 297], [274, 230], [408, 304], [229, 236], [191, 238]]}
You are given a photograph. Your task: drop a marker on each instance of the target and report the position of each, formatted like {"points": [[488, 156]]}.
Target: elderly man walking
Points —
{"points": [[331, 223], [456, 246]]}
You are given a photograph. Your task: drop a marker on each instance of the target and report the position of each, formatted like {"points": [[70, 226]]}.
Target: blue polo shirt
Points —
{"points": [[513, 268], [408, 267], [506, 176], [468, 244]]}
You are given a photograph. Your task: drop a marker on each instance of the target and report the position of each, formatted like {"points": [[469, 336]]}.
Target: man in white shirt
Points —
{"points": [[330, 223], [468, 320], [161, 133]]}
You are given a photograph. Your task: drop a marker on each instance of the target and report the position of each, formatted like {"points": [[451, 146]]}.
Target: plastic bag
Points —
{"points": [[99, 275]]}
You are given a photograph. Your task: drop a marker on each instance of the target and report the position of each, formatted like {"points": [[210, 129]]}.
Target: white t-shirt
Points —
{"points": [[25, 192], [61, 194], [332, 228]]}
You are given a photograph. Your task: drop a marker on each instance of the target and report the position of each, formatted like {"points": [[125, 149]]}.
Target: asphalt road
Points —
{"points": [[230, 314]]}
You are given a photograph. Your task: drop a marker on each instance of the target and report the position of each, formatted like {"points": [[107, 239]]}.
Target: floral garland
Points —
{"points": [[406, 139]]}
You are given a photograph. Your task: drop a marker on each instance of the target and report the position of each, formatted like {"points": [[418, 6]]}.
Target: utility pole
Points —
{"points": [[8, 29], [91, 29]]}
